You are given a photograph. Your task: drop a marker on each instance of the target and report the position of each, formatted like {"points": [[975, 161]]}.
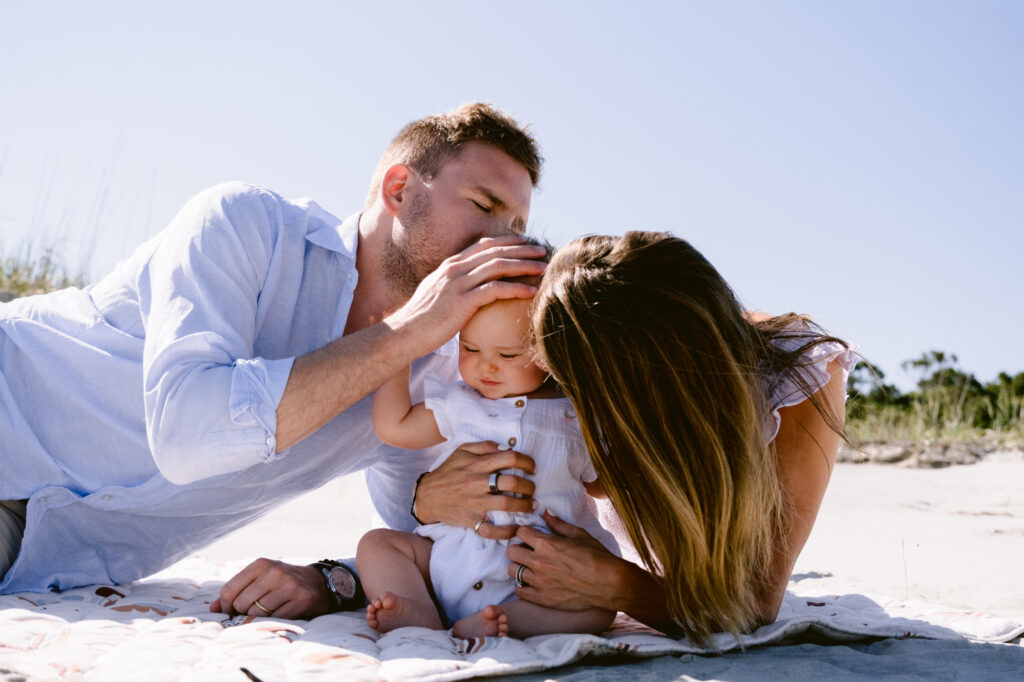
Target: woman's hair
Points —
{"points": [[670, 380]]}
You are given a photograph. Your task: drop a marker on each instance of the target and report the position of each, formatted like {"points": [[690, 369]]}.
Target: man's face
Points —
{"points": [[482, 192]]}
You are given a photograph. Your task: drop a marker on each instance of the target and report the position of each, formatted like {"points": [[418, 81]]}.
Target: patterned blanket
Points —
{"points": [[161, 629]]}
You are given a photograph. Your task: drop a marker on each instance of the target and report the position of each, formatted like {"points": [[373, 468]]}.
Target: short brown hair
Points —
{"points": [[427, 144]]}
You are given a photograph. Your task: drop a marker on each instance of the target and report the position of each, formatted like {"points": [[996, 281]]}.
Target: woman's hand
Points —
{"points": [[568, 570], [458, 492], [282, 590]]}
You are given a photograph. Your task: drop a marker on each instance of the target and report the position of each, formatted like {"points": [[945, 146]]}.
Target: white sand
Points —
{"points": [[951, 536]]}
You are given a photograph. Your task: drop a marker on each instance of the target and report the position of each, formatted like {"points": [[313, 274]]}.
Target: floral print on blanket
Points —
{"points": [[162, 628]]}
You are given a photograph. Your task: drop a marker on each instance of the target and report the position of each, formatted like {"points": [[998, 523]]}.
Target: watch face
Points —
{"points": [[343, 582]]}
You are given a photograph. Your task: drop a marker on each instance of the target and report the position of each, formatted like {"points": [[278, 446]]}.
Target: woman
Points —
{"points": [[715, 432]]}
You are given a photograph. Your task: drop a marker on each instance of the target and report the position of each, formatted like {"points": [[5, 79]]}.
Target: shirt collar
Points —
{"points": [[333, 234]]}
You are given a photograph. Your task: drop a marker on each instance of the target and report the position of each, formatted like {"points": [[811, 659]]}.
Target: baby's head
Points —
{"points": [[495, 354]]}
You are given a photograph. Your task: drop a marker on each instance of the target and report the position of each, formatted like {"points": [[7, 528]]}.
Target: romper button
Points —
{"points": [[106, 498], [512, 441], [478, 586], [520, 403]]}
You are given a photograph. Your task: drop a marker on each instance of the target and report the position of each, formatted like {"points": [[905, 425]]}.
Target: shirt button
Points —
{"points": [[520, 402], [270, 440], [512, 442], [478, 586], [106, 498]]}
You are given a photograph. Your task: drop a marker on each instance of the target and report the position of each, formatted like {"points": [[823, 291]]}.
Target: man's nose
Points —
{"points": [[500, 225]]}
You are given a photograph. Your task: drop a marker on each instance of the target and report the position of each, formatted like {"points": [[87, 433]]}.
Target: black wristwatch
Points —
{"points": [[343, 584]]}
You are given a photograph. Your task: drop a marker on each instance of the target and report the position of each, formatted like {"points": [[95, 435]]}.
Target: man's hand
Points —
{"points": [[457, 493], [328, 381], [283, 590], [446, 298]]}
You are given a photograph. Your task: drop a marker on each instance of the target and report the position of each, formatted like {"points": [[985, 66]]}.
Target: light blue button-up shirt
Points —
{"points": [[138, 415]]}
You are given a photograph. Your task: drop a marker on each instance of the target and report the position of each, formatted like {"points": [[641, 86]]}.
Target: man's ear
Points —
{"points": [[393, 187]]}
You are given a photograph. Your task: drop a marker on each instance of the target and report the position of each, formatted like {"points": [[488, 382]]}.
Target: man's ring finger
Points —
{"points": [[518, 580], [492, 483], [261, 607]]}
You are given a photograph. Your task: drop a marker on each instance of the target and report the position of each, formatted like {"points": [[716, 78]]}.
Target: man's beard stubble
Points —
{"points": [[406, 264]]}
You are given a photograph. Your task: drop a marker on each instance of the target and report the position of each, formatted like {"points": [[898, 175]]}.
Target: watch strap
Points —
{"points": [[356, 601]]}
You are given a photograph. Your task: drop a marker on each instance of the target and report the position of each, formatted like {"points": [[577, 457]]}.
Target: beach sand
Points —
{"points": [[951, 536]]}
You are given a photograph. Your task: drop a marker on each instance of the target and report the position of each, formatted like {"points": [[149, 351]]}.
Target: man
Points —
{"points": [[224, 367]]}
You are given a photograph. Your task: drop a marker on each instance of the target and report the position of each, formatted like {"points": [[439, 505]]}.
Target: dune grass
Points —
{"points": [[950, 405], [30, 273]]}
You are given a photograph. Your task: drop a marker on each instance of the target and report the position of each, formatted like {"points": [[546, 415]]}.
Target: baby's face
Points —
{"points": [[492, 351]]}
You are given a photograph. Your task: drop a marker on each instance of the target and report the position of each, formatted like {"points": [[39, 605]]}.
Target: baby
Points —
{"points": [[503, 397]]}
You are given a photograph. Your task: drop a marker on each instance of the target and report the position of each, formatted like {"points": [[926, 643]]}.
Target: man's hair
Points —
{"points": [[427, 144]]}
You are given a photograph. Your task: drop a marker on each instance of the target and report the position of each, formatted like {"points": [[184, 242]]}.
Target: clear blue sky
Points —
{"points": [[860, 161]]}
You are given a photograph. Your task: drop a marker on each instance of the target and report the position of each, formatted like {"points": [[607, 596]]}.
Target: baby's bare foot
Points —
{"points": [[390, 611], [490, 621]]}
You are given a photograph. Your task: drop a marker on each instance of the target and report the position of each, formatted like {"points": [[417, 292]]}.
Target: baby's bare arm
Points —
{"points": [[400, 423]]}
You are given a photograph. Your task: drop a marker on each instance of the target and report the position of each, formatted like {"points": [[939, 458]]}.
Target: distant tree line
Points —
{"points": [[948, 403]]}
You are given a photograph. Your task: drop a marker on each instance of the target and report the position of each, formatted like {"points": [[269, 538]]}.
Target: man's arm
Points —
{"points": [[211, 407], [328, 381]]}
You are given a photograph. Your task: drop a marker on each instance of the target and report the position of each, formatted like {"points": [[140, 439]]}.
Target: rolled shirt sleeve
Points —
{"points": [[211, 405]]}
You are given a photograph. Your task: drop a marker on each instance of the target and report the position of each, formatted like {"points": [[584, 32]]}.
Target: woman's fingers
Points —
{"points": [[569, 572], [563, 528], [492, 532]]}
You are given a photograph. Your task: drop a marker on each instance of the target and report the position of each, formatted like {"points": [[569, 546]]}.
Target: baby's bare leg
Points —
{"points": [[526, 619], [395, 570]]}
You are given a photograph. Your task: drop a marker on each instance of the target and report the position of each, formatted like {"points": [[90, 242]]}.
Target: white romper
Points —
{"points": [[469, 572]]}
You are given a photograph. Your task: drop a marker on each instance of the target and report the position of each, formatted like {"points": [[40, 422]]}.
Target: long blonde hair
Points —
{"points": [[668, 377]]}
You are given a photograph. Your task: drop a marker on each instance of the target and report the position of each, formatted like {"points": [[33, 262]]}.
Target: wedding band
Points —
{"points": [[261, 607], [518, 580], [482, 521], [492, 483]]}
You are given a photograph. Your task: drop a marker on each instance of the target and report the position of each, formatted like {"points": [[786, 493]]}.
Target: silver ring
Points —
{"points": [[518, 580], [492, 483], [261, 607]]}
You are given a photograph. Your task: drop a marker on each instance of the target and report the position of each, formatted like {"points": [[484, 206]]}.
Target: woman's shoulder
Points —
{"points": [[821, 359]]}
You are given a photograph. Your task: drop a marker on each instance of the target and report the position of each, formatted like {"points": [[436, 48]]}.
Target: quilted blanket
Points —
{"points": [[161, 629]]}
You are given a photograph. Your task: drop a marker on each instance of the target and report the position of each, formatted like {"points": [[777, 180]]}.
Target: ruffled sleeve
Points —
{"points": [[436, 394], [814, 367]]}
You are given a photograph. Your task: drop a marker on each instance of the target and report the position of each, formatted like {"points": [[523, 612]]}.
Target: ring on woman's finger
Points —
{"points": [[492, 483], [518, 580], [482, 521], [261, 607]]}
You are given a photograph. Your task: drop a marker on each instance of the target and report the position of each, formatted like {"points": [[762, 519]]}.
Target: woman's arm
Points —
{"points": [[397, 421], [570, 570], [805, 449]]}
